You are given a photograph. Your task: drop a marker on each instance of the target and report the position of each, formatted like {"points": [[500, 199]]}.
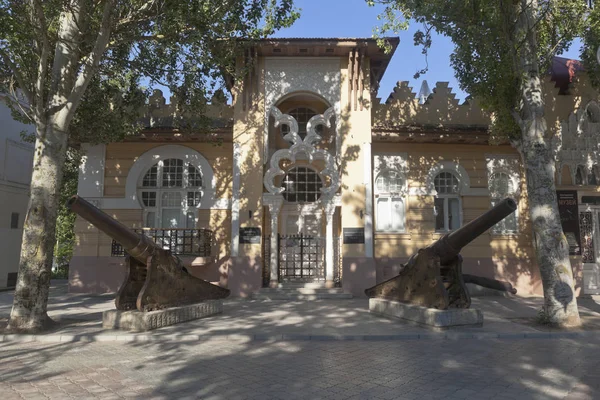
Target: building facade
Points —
{"points": [[16, 160], [308, 177]]}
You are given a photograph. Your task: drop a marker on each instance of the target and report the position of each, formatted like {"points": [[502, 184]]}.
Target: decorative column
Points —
{"points": [[329, 210], [274, 202]]}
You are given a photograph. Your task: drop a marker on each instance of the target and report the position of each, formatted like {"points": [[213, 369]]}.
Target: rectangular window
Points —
{"points": [[440, 215], [383, 216], [453, 214], [447, 214], [390, 214], [190, 221], [149, 199], [150, 219], [508, 224], [14, 221], [397, 214], [170, 218]]}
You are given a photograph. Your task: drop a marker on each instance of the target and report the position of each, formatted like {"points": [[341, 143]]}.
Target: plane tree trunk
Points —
{"points": [[31, 294], [538, 150]]}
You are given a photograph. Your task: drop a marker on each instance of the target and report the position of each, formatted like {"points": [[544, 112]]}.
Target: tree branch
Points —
{"points": [[136, 16], [17, 74], [92, 61], [15, 99], [43, 62]]}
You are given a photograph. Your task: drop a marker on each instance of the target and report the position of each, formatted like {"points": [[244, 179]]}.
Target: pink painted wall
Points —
{"points": [[358, 274]]}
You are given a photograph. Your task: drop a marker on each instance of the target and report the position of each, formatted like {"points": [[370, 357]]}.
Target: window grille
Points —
{"points": [[302, 116], [302, 185]]}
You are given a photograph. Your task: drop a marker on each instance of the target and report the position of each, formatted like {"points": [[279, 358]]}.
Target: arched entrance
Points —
{"points": [[302, 181], [301, 239]]}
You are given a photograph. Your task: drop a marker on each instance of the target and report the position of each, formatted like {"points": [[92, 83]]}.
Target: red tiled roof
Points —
{"points": [[563, 70]]}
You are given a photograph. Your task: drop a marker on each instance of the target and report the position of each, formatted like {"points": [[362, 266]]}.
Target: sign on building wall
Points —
{"points": [[569, 218], [250, 235], [354, 235]]}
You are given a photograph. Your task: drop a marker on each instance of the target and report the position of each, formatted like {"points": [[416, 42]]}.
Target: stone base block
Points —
{"points": [[144, 321], [426, 316]]}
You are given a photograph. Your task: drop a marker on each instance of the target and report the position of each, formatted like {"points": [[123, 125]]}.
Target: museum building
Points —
{"points": [[308, 178]]}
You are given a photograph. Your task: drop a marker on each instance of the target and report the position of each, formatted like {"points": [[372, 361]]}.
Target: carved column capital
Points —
{"points": [[274, 202]]}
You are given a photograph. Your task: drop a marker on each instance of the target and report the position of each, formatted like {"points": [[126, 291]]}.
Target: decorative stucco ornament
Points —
{"points": [[580, 140], [304, 146]]}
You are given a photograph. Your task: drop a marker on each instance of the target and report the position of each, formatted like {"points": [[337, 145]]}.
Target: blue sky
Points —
{"points": [[353, 18]]}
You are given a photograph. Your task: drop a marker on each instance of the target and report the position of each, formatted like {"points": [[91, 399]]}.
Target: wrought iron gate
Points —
{"points": [[291, 253], [301, 258]]}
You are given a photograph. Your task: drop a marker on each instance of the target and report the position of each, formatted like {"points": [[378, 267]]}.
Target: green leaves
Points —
{"points": [[489, 47], [185, 45]]}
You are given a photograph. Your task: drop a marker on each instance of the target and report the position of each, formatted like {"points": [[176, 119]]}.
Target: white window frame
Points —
{"points": [[446, 197], [402, 194], [496, 197], [185, 188]]}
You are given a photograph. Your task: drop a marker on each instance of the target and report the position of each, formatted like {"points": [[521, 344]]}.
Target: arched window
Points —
{"points": [[302, 116], [302, 185], [447, 202], [390, 202], [170, 191], [501, 187]]}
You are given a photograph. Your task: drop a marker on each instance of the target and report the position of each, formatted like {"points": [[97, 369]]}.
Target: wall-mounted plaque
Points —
{"points": [[250, 235], [593, 200], [354, 235], [569, 219]]}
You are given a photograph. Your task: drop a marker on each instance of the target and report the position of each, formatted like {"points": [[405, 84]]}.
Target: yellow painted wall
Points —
{"points": [[120, 157], [419, 214]]}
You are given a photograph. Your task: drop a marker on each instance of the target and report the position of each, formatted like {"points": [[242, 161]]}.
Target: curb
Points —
{"points": [[143, 337]]}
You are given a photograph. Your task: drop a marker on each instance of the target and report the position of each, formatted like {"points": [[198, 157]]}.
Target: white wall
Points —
{"points": [[16, 160]]}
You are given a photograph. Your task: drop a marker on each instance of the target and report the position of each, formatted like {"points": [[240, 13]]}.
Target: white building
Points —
{"points": [[16, 160]]}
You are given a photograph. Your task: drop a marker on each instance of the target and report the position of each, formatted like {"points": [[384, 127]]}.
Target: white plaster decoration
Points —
{"points": [[235, 202], [508, 164], [448, 166], [390, 161], [368, 180], [306, 147], [329, 210], [580, 140], [274, 202], [91, 171], [151, 157], [505, 163], [284, 75]]}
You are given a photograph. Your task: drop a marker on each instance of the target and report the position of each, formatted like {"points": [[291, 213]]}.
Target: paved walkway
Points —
{"points": [[244, 354], [80, 318], [434, 369]]}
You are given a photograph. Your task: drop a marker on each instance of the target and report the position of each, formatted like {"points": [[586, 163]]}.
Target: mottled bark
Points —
{"points": [[54, 111], [538, 153], [551, 247], [37, 249]]}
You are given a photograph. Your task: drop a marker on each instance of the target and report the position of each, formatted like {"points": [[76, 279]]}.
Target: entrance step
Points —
{"points": [[300, 293]]}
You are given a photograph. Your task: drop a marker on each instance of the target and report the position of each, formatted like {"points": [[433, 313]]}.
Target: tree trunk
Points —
{"points": [[537, 149], [31, 295], [551, 247]]}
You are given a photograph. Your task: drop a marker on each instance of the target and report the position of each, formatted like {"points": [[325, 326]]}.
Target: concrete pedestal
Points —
{"points": [[144, 321], [426, 316]]}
